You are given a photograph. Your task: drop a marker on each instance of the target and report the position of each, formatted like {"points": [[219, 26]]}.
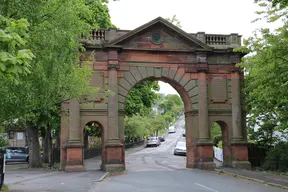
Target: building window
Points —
{"points": [[11, 135]]}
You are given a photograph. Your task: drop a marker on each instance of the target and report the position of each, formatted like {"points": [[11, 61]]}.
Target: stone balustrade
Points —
{"points": [[97, 35], [220, 41], [216, 39]]}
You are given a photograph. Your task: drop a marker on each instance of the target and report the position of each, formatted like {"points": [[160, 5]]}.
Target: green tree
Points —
{"points": [[140, 99], [272, 10], [277, 157], [171, 105], [57, 74], [266, 78], [15, 59], [157, 124], [174, 21], [216, 133], [136, 127], [101, 16]]}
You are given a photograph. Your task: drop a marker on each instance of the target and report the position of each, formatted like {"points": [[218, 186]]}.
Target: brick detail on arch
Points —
{"points": [[176, 77]]}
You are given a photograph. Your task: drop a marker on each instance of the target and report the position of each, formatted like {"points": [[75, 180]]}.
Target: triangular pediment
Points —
{"points": [[159, 34]]}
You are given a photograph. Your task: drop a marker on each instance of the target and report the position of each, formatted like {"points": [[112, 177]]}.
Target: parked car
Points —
{"points": [[17, 154], [180, 148], [172, 130], [153, 141], [161, 138]]}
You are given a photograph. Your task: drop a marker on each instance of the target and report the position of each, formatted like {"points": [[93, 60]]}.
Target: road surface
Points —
{"points": [[157, 169]]}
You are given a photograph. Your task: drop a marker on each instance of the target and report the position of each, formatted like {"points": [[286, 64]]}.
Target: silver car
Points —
{"points": [[153, 141], [172, 130], [180, 148], [17, 154]]}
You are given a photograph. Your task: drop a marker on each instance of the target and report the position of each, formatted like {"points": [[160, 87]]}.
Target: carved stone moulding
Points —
{"points": [[113, 64]]}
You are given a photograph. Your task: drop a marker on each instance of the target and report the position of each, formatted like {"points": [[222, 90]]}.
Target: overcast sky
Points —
{"points": [[209, 16]]}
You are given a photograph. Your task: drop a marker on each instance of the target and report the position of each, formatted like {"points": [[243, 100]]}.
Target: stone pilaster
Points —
{"points": [[236, 107], [204, 145], [114, 152], [191, 124], [74, 121], [113, 132], [239, 150], [74, 146], [203, 108]]}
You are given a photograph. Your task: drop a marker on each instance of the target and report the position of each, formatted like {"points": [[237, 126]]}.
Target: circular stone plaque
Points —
{"points": [[156, 38]]}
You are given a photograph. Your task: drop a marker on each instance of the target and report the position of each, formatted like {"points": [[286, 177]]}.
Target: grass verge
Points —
{"points": [[4, 188]]}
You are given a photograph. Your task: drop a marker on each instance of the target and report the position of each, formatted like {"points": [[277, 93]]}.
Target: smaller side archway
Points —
{"points": [[93, 145], [221, 139]]}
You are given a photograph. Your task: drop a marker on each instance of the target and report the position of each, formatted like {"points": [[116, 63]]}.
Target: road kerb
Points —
{"points": [[250, 179], [103, 177]]}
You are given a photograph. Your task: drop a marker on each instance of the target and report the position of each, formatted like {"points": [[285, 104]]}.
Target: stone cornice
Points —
{"points": [[226, 112], [191, 113], [93, 112], [113, 64], [121, 112], [202, 67]]}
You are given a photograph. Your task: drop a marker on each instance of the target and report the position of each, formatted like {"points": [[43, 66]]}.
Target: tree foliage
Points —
{"points": [[136, 127], [216, 133], [174, 21], [143, 126], [272, 10], [171, 105], [140, 99], [277, 158], [15, 60], [53, 36], [266, 79], [101, 16]]}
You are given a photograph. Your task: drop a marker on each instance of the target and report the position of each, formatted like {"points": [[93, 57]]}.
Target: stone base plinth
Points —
{"points": [[206, 165], [114, 168], [205, 156], [239, 156], [191, 155], [241, 164], [114, 157], [201, 156], [74, 161], [74, 168]]}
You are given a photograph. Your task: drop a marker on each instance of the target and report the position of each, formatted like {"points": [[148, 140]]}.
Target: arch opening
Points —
{"points": [[157, 126], [93, 145], [220, 139]]}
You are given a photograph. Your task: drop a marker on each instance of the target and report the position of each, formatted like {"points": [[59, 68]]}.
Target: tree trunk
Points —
{"points": [[34, 146], [26, 138]]}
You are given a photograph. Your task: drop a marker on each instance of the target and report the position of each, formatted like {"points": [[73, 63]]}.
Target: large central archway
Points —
{"points": [[126, 84], [201, 67]]}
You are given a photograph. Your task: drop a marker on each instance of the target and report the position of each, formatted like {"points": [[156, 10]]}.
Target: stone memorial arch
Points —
{"points": [[201, 67]]}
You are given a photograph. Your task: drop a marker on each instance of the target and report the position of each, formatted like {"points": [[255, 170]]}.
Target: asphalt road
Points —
{"points": [[157, 169]]}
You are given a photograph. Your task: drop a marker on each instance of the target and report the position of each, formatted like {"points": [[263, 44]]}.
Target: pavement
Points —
{"points": [[257, 176], [147, 169], [24, 180]]}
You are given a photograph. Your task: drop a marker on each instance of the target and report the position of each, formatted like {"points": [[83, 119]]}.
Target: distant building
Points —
{"points": [[17, 138]]}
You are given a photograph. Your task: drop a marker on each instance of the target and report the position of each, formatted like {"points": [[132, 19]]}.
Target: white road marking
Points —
{"points": [[206, 187]]}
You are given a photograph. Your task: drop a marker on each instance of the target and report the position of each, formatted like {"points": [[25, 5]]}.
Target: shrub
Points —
{"points": [[3, 141], [277, 157], [220, 144]]}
